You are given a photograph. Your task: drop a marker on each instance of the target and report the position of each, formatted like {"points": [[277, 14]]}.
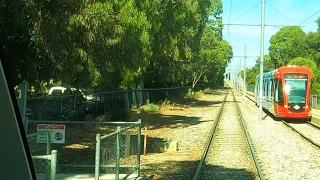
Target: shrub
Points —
{"points": [[194, 95], [208, 91], [152, 108], [134, 107]]}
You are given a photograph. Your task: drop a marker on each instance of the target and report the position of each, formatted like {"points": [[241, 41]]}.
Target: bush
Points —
{"points": [[152, 108], [208, 91], [315, 89], [194, 95]]}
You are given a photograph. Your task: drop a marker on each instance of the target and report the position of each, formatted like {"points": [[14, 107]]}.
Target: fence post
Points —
{"points": [[127, 145], [53, 164], [23, 102], [139, 148], [97, 163], [118, 153], [48, 140], [61, 107], [45, 106]]}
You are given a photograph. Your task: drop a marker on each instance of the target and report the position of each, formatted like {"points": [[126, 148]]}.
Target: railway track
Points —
{"points": [[308, 131], [229, 153]]}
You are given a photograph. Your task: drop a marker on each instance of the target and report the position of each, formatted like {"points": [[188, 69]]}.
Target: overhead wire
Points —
{"points": [[246, 12], [310, 17], [229, 19], [279, 13]]}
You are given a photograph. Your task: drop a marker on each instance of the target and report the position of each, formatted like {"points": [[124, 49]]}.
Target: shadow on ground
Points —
{"points": [[186, 170]]}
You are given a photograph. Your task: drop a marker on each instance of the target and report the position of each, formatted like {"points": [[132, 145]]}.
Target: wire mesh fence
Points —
{"points": [[119, 151], [44, 160], [75, 107], [77, 153]]}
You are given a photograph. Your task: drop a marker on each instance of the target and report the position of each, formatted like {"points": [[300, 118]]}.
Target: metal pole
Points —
{"points": [[48, 140], [244, 73], [23, 103], [261, 57], [240, 75], [118, 153], [139, 148], [53, 164], [97, 163]]}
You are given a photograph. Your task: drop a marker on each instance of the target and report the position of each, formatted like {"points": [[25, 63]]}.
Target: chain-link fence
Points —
{"points": [[119, 151], [75, 107], [44, 160], [77, 153]]}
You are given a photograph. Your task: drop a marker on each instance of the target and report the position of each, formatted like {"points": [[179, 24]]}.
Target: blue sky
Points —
{"points": [[277, 12]]}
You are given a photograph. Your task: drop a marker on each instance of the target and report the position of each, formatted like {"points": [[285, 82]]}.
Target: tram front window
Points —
{"points": [[295, 87]]}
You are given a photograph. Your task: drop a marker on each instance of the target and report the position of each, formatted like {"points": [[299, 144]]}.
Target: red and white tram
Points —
{"points": [[286, 92]]}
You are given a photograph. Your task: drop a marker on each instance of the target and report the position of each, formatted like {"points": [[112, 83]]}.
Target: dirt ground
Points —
{"points": [[185, 121]]}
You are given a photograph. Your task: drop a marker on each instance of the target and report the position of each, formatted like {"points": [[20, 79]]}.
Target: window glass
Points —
{"points": [[295, 87]]}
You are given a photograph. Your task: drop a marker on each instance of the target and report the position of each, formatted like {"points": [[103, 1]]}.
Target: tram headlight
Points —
{"points": [[287, 88]]}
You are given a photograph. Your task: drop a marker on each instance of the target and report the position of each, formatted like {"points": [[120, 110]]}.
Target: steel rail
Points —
{"points": [[253, 153], [197, 173], [301, 134], [314, 125]]}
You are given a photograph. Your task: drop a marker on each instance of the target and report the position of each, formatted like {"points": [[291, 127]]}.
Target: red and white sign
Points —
{"points": [[58, 133]]}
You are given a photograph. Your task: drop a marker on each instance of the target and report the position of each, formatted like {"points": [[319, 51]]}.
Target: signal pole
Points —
{"points": [[261, 58], [244, 73]]}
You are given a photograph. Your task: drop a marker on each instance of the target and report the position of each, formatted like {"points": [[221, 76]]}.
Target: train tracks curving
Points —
{"points": [[229, 152]]}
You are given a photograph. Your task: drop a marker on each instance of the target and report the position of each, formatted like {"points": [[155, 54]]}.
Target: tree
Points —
{"points": [[286, 44]]}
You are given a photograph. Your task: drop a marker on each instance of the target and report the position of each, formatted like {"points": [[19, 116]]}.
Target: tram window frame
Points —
{"points": [[280, 92], [272, 88], [266, 84]]}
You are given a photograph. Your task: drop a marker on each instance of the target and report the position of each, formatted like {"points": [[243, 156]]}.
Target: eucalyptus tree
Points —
{"points": [[18, 45], [114, 40], [214, 56], [288, 43]]}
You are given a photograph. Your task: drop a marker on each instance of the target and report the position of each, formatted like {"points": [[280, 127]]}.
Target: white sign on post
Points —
{"points": [[58, 133]]}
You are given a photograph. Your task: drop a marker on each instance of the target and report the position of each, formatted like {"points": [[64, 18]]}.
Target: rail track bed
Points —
{"points": [[308, 131], [229, 148], [282, 153]]}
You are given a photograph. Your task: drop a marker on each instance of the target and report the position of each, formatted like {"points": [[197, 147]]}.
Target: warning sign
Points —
{"points": [[57, 133]]}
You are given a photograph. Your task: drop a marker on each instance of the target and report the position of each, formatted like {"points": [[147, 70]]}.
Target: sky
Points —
{"points": [[277, 12]]}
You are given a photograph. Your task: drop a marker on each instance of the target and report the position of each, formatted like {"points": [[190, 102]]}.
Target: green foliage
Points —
{"points": [[305, 62], [208, 91], [114, 44], [194, 95], [289, 42], [150, 108], [268, 64], [134, 107], [315, 90]]}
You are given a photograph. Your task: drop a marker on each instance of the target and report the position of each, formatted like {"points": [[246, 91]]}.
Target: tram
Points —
{"points": [[286, 92]]}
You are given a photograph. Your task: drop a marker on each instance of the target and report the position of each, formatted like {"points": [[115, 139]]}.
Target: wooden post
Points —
{"points": [[145, 142]]}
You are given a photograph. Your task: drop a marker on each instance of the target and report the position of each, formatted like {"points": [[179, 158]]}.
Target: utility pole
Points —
{"points": [[239, 75], [261, 57], [244, 73]]}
